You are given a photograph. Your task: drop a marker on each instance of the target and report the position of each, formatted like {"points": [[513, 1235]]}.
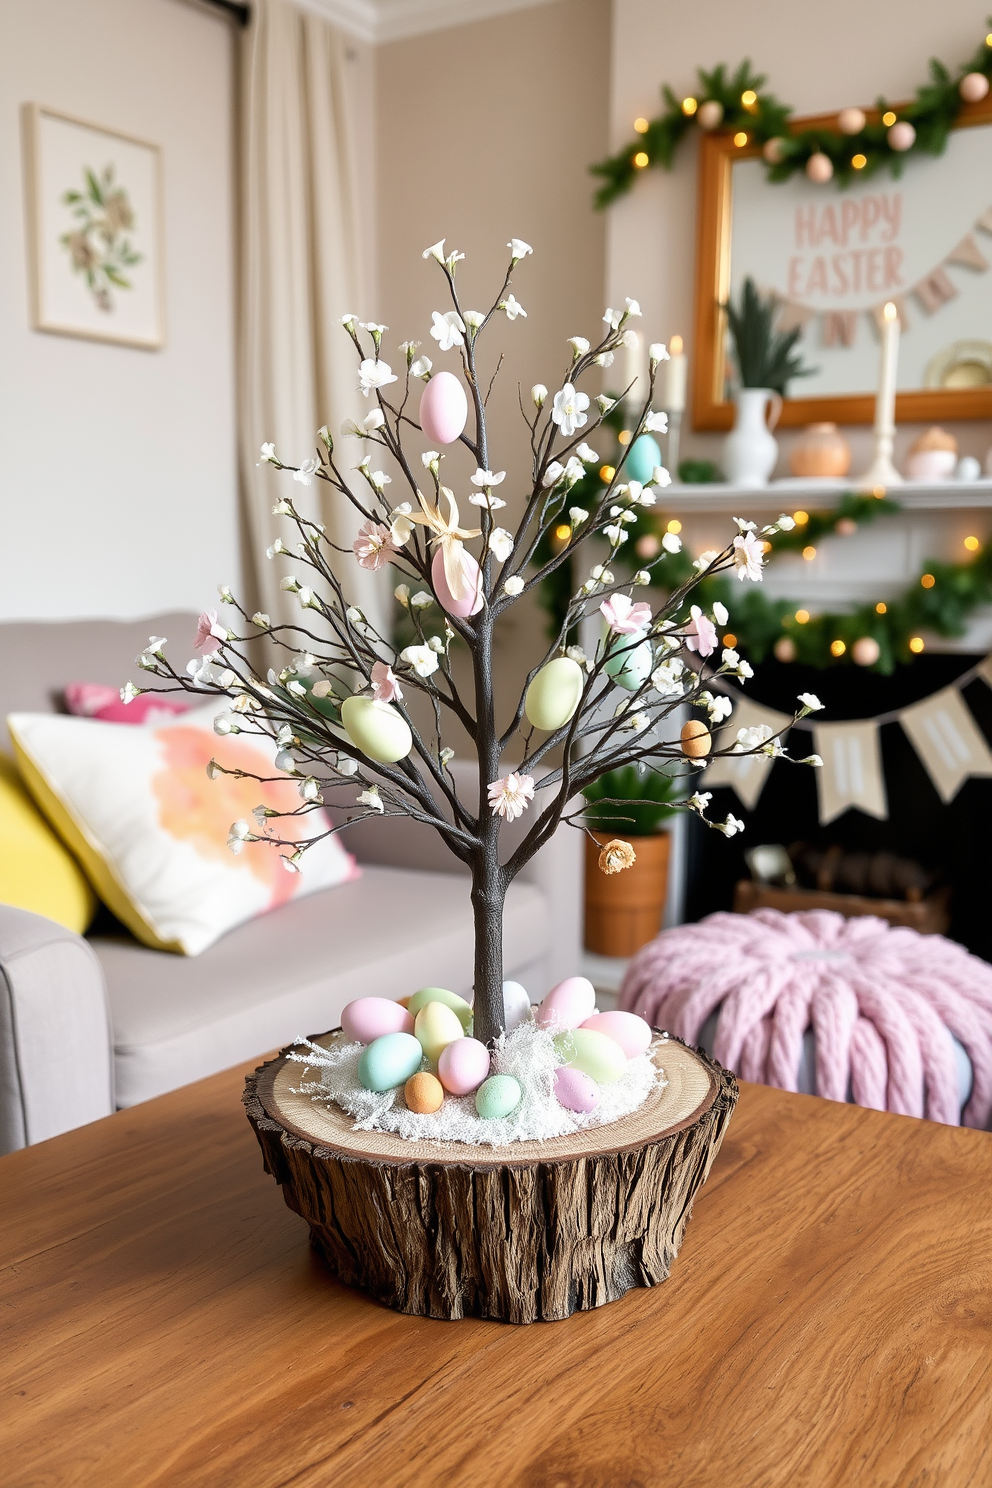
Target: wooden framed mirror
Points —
{"points": [[834, 256]]}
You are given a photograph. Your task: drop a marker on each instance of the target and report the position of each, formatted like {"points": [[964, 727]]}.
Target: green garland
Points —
{"points": [[932, 113]]}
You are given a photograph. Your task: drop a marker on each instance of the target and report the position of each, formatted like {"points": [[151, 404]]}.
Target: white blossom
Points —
{"points": [[584, 452], [436, 250], [656, 423], [705, 559], [402, 594], [510, 796], [448, 329], [349, 321], [373, 374], [454, 257], [429, 458], [290, 584], [553, 473], [576, 654], [577, 515], [568, 410], [731, 826], [612, 319], [785, 523], [743, 525], [513, 586], [421, 658], [500, 543], [579, 346], [812, 759], [239, 834], [486, 500], [346, 765], [436, 644], [421, 367], [309, 789], [538, 393], [604, 404], [720, 613], [512, 307], [574, 470], [699, 801], [718, 707], [519, 249], [421, 600], [642, 576], [446, 756], [633, 308], [665, 678], [660, 476], [488, 477], [269, 454], [227, 723], [810, 701], [473, 319], [371, 798], [748, 557], [658, 352], [306, 472], [671, 542], [605, 359]]}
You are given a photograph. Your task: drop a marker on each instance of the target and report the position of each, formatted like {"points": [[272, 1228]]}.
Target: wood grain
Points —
{"points": [[828, 1322]]}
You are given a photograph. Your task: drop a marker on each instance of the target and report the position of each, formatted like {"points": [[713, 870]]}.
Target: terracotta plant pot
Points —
{"points": [[821, 451], [623, 911]]}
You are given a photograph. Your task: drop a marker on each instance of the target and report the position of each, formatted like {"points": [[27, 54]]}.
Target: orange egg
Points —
{"points": [[424, 1094], [696, 741]]}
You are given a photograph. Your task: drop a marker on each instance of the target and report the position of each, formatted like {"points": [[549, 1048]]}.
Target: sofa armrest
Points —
{"points": [[56, 1045]]}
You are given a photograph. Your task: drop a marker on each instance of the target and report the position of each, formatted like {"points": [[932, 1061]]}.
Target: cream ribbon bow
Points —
{"points": [[450, 537]]}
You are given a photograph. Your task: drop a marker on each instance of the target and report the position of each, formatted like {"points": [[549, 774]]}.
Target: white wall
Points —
{"points": [[117, 474], [815, 58]]}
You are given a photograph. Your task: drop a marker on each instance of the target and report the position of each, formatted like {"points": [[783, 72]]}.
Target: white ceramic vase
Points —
{"points": [[751, 450]]}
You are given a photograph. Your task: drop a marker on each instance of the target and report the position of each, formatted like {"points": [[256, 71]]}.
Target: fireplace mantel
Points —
{"points": [[872, 564]]}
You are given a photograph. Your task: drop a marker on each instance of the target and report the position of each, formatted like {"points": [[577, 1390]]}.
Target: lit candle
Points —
{"points": [[632, 369], [882, 472], [674, 377]]}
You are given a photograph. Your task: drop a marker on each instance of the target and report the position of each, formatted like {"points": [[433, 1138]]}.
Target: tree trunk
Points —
{"points": [[533, 1230], [488, 896]]}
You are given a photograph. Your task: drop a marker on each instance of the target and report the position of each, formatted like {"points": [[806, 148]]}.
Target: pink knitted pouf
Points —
{"points": [[881, 1002]]}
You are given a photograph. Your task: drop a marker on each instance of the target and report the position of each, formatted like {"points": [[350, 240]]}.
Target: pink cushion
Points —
{"points": [[94, 700]]}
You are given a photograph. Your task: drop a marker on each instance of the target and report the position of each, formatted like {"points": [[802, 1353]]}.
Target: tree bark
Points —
{"points": [[532, 1231]]}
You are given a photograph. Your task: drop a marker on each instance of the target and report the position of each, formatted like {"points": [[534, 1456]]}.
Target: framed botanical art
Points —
{"points": [[94, 200], [833, 258]]}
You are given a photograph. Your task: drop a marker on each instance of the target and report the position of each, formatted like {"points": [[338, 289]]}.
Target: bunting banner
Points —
{"points": [[941, 729]]}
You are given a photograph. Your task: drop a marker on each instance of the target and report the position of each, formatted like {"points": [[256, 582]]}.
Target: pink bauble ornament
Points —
{"points": [[866, 651], [819, 168], [710, 114], [851, 120], [461, 608], [973, 87], [902, 135], [774, 150], [846, 527], [443, 408], [785, 649]]}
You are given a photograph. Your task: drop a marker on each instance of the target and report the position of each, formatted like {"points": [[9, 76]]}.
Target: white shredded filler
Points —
{"points": [[527, 1053]]}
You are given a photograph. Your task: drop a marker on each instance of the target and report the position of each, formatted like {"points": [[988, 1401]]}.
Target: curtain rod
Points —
{"points": [[240, 13]]}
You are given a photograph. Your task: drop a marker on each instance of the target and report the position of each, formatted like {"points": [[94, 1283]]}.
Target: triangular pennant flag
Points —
{"points": [[793, 316], [985, 221], [839, 327], [969, 254], [948, 741], [935, 290], [746, 774], [852, 769], [984, 670]]}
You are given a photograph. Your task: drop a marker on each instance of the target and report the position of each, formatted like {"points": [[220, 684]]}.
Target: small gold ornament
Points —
{"points": [[616, 856]]}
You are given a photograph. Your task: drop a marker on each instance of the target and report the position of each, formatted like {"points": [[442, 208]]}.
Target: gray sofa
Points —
{"points": [[87, 1025]]}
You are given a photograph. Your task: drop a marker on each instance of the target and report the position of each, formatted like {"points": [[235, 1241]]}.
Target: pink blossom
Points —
{"points": [[209, 633], [373, 546], [385, 687], [510, 796], [623, 616], [700, 633], [748, 557]]}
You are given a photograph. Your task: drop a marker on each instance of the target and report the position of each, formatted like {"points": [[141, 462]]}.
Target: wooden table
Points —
{"points": [[829, 1321]]}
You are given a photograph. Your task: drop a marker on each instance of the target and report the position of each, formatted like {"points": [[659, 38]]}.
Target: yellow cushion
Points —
{"points": [[36, 870]]}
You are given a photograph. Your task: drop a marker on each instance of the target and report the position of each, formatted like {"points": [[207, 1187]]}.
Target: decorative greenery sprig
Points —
{"points": [[766, 358], [738, 105]]}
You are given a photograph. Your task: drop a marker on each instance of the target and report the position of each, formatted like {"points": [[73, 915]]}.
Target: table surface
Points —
{"points": [[829, 1321]]}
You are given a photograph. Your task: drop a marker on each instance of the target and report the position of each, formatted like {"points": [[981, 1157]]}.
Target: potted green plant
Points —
{"points": [[626, 821], [766, 360]]}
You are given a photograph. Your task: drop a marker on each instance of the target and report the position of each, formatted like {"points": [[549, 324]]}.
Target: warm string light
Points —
{"points": [[606, 474], [641, 159], [624, 436], [972, 544], [730, 639], [888, 118], [749, 98], [859, 161], [916, 644], [675, 525], [809, 553], [928, 581], [689, 106], [800, 518], [642, 126], [837, 648], [881, 608], [563, 532], [802, 616], [740, 139]]}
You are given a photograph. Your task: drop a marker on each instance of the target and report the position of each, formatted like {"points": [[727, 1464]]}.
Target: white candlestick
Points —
{"points": [[632, 369], [674, 377], [882, 472]]}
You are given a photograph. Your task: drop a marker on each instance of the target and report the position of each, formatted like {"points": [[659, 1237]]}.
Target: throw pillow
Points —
{"points": [[151, 829], [94, 700], [36, 870]]}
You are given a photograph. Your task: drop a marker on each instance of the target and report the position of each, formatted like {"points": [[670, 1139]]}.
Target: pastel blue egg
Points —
{"points": [[389, 1061], [497, 1096], [628, 663], [644, 456]]}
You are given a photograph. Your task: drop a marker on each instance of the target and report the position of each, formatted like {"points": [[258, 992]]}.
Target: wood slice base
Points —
{"points": [[532, 1231]]}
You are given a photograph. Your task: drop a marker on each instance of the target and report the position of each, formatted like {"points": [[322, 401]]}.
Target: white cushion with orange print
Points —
{"points": [[136, 806]]}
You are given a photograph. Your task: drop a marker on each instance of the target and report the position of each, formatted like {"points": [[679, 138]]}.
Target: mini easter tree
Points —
{"points": [[336, 698]]}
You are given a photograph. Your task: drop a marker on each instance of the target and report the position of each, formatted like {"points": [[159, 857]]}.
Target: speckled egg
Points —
{"points": [[497, 1096], [436, 1026], [596, 1055], [696, 739], [389, 1061], [568, 1004], [377, 729], [644, 456], [463, 1065], [628, 663], [632, 1033], [369, 1018], [461, 608], [574, 1090], [424, 1093], [443, 408], [516, 1005], [450, 999], [554, 694]]}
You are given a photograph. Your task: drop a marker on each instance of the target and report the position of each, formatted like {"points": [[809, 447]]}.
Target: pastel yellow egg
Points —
{"points": [[436, 1027], [596, 1055], [424, 1093], [554, 694], [457, 1004], [377, 729]]}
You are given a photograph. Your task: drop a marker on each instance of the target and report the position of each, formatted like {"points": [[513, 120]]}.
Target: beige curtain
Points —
{"points": [[303, 255]]}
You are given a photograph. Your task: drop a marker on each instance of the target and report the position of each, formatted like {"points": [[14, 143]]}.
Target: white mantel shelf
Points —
{"points": [[874, 563]]}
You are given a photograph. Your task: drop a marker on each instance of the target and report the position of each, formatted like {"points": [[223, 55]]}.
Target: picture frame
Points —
{"points": [[94, 209], [720, 153]]}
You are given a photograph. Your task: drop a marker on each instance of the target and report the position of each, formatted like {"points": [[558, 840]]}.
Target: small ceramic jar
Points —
{"points": [[933, 456], [821, 451]]}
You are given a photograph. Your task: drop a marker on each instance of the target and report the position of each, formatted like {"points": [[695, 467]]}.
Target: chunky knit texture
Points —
{"points": [[879, 1000]]}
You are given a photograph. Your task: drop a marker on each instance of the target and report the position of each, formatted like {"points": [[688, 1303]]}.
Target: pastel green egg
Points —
{"points": [[377, 729], [497, 1096], [450, 999], [554, 694], [437, 1026], [628, 663], [389, 1061], [596, 1055]]}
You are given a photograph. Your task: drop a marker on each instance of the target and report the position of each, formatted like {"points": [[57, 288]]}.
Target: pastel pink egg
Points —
{"points": [[574, 1090], [626, 1029], [463, 1065], [369, 1018], [568, 1005], [443, 408], [473, 575]]}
